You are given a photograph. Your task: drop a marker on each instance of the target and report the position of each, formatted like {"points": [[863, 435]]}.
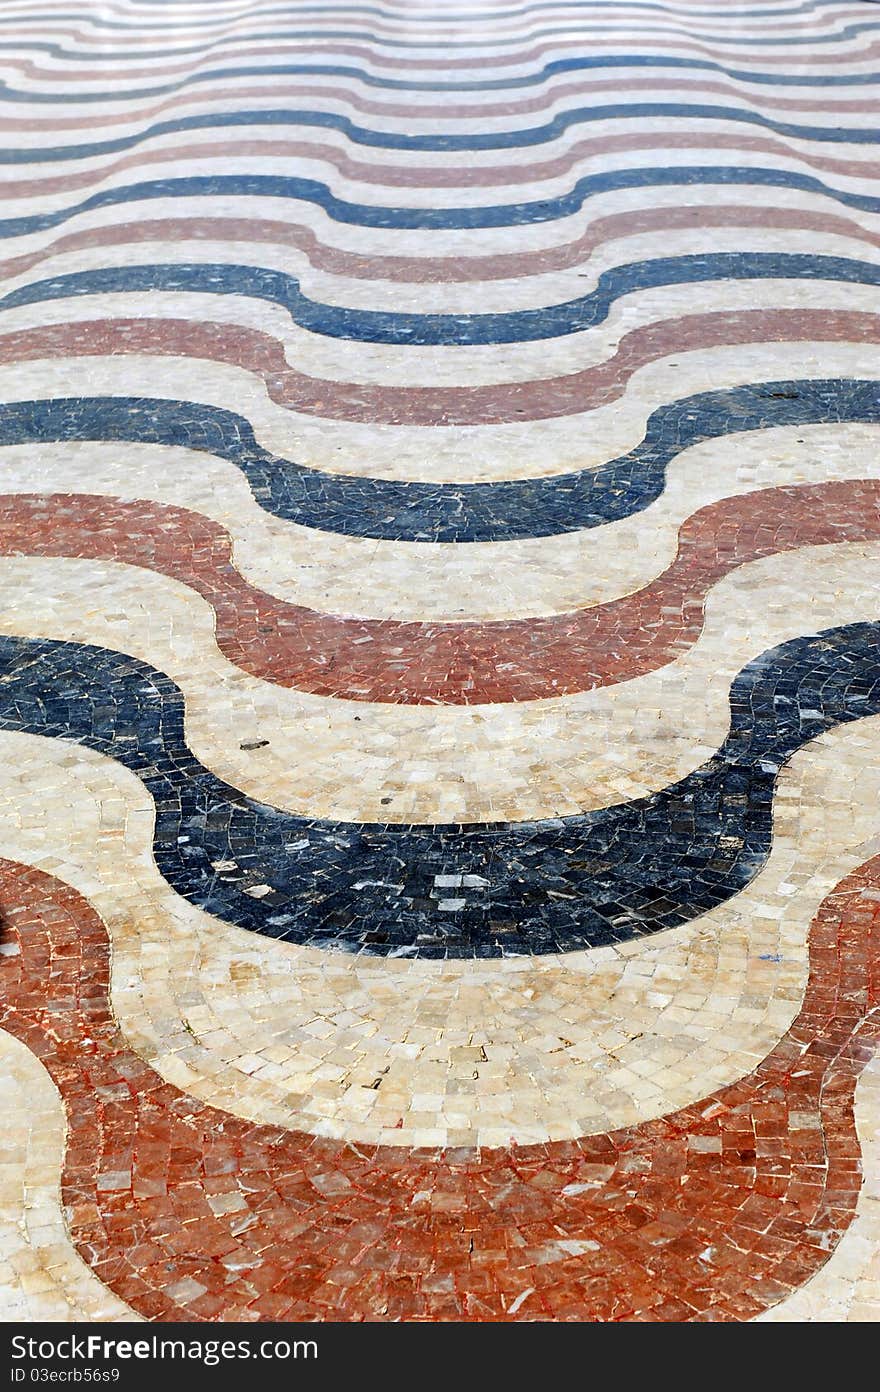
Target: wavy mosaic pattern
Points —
{"points": [[570, 884], [467, 417], [454, 663], [370, 326], [568, 1231], [421, 512]]}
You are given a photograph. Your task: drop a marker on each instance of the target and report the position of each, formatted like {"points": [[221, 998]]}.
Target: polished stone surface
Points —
{"points": [[439, 665]]}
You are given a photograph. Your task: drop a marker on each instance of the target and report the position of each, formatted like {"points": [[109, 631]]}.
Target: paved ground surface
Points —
{"points": [[439, 661]]}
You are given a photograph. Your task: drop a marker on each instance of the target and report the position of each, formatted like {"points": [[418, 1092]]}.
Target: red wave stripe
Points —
{"points": [[371, 50], [427, 176], [141, 17], [862, 53], [697, 87], [374, 33], [538, 399], [715, 1212], [142, 35], [450, 663], [441, 269]]}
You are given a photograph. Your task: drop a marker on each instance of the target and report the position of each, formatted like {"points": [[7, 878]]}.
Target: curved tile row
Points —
{"points": [[839, 1291], [773, 77], [543, 887], [466, 218], [466, 663], [397, 16], [825, 48], [805, 102], [421, 764], [402, 328], [574, 1043], [774, 1146], [328, 573], [340, 261], [566, 36], [855, 40], [42, 1277], [446, 512], [388, 36], [398, 174], [442, 141]]}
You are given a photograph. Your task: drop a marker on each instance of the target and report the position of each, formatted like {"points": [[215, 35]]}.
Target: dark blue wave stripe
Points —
{"points": [[687, 38], [376, 11], [526, 137], [556, 885], [775, 78], [438, 219], [424, 330], [394, 510]]}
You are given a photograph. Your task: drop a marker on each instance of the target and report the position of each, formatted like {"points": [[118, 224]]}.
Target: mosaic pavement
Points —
{"points": [[440, 661]]}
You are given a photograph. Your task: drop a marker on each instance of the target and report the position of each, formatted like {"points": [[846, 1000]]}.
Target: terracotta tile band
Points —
{"points": [[140, 33], [572, 394], [427, 176], [715, 1212], [441, 269], [378, 36], [862, 53], [451, 111], [141, 14], [450, 663]]}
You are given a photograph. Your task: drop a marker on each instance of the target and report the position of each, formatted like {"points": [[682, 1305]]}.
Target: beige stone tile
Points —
{"points": [[577, 1043], [457, 453], [448, 582], [332, 359], [341, 759], [42, 1276]]}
